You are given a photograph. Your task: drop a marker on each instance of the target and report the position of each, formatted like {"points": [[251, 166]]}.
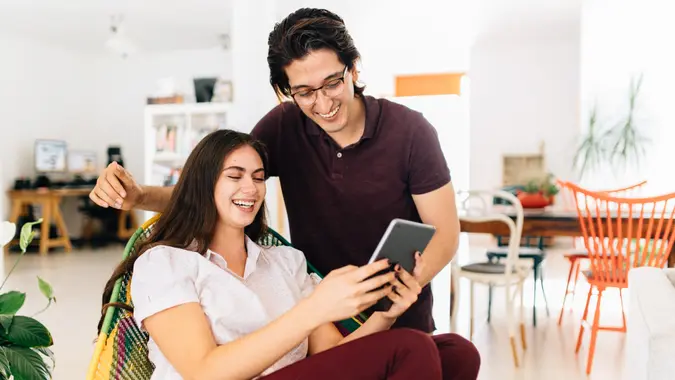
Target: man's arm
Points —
{"points": [[438, 208], [155, 198], [116, 188]]}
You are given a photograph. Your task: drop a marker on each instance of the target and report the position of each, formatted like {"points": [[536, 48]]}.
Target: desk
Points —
{"points": [[550, 222], [50, 200]]}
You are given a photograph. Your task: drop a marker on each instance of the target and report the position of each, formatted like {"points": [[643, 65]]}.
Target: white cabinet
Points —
{"points": [[171, 133]]}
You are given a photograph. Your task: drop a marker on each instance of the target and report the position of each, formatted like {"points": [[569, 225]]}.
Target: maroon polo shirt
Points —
{"points": [[341, 200]]}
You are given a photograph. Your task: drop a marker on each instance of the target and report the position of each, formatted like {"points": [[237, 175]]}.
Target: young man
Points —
{"points": [[347, 163]]}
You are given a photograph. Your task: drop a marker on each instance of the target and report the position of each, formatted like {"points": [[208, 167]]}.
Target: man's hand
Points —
{"points": [[116, 188]]}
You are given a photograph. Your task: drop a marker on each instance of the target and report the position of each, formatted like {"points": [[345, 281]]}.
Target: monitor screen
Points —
{"points": [[82, 162], [50, 156]]}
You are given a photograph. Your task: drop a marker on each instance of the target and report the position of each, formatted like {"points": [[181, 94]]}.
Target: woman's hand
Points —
{"points": [[405, 289], [349, 290]]}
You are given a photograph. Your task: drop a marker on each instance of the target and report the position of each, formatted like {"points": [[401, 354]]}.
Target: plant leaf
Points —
{"points": [[11, 302], [26, 364], [48, 353], [46, 289], [28, 332], [27, 234], [4, 364], [6, 322]]}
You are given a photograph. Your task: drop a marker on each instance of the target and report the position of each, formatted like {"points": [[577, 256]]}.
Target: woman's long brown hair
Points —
{"points": [[190, 217]]}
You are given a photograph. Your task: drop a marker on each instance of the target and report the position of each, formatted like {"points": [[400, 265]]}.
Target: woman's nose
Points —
{"points": [[247, 186]]}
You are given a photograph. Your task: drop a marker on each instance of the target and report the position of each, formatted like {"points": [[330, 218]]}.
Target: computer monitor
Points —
{"points": [[82, 162], [50, 156]]}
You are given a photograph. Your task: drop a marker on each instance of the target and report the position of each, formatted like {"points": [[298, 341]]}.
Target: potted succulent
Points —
{"points": [[538, 193], [24, 341]]}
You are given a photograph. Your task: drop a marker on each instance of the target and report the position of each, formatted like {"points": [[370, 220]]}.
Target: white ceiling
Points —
{"points": [[194, 24], [150, 24]]}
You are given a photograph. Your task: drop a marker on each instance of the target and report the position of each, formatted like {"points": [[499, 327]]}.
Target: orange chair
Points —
{"points": [[620, 234], [579, 255]]}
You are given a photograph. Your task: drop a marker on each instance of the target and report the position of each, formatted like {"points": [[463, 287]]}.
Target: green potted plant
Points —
{"points": [[538, 193], [24, 341]]}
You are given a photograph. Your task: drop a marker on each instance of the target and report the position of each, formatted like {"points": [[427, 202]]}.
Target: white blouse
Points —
{"points": [[275, 279]]}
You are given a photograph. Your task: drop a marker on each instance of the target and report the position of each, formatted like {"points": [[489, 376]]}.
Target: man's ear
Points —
{"points": [[355, 73]]}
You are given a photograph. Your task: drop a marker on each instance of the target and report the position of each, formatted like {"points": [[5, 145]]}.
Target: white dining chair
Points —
{"points": [[509, 274]]}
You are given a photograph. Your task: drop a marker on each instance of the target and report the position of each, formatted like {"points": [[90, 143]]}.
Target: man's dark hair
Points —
{"points": [[302, 32]]}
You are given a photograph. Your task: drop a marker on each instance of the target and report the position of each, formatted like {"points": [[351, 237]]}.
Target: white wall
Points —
{"points": [[45, 92], [398, 37], [123, 86], [90, 100], [524, 91], [621, 39]]}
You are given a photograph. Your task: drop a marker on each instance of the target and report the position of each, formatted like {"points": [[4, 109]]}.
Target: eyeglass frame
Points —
{"points": [[314, 90]]}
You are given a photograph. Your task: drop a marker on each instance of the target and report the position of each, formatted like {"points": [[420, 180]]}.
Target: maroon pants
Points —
{"points": [[394, 354]]}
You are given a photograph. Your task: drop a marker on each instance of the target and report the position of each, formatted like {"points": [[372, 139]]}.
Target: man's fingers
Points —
{"points": [[118, 190], [102, 194], [96, 199], [109, 193], [125, 177]]}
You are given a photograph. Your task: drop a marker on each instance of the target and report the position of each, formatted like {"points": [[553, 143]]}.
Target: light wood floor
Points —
{"points": [[78, 280]]}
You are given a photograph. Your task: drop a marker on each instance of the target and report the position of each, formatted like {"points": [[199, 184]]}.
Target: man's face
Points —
{"points": [[328, 106]]}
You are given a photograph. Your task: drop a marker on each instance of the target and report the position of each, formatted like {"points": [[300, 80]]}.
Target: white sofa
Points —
{"points": [[650, 341]]}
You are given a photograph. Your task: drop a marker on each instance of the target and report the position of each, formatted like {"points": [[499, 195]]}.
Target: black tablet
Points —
{"points": [[398, 244]]}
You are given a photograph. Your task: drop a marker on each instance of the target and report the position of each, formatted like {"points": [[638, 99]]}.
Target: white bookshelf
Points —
{"points": [[172, 131]]}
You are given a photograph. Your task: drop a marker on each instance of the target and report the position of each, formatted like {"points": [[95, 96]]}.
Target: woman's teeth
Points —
{"points": [[244, 204], [330, 114]]}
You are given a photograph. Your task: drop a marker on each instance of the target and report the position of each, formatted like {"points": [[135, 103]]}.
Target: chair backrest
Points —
{"points": [[569, 202], [485, 214], [623, 233], [121, 351]]}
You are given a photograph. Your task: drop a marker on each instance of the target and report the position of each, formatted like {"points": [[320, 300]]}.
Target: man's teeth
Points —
{"points": [[331, 114], [246, 204]]}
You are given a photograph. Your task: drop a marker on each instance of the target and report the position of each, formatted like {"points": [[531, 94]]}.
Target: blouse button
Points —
{"points": [[339, 155]]}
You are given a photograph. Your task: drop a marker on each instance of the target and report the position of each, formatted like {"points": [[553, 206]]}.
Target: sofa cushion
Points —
{"points": [[670, 273], [650, 345]]}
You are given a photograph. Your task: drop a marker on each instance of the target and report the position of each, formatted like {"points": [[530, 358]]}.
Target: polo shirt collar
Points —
{"points": [[253, 251], [372, 107]]}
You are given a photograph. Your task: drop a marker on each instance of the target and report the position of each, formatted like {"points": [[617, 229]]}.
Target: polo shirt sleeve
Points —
{"points": [[267, 130], [162, 278], [428, 168]]}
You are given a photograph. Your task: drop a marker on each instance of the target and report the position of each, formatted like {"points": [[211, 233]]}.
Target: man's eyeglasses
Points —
{"points": [[331, 89]]}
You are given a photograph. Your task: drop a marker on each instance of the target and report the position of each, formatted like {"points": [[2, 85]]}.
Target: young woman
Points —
{"points": [[219, 306]]}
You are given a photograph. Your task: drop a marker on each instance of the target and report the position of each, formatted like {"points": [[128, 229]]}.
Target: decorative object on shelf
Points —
{"points": [[175, 99], [517, 169], [24, 341], [222, 92], [204, 89], [618, 145], [166, 138]]}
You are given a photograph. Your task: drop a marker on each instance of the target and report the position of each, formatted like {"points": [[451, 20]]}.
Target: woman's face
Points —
{"points": [[240, 189]]}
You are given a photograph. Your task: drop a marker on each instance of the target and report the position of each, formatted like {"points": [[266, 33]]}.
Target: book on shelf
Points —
{"points": [[166, 138]]}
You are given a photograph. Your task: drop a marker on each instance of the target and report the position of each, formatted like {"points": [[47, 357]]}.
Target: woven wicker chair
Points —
{"points": [[121, 351]]}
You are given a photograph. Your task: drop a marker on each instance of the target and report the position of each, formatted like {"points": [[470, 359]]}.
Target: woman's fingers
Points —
{"points": [[409, 281], [375, 282], [370, 298]]}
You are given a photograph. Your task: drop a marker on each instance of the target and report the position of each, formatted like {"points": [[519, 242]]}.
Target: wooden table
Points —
{"points": [[549, 222], [50, 201]]}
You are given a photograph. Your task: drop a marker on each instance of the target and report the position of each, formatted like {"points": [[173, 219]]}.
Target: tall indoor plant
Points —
{"points": [[24, 341], [616, 145]]}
